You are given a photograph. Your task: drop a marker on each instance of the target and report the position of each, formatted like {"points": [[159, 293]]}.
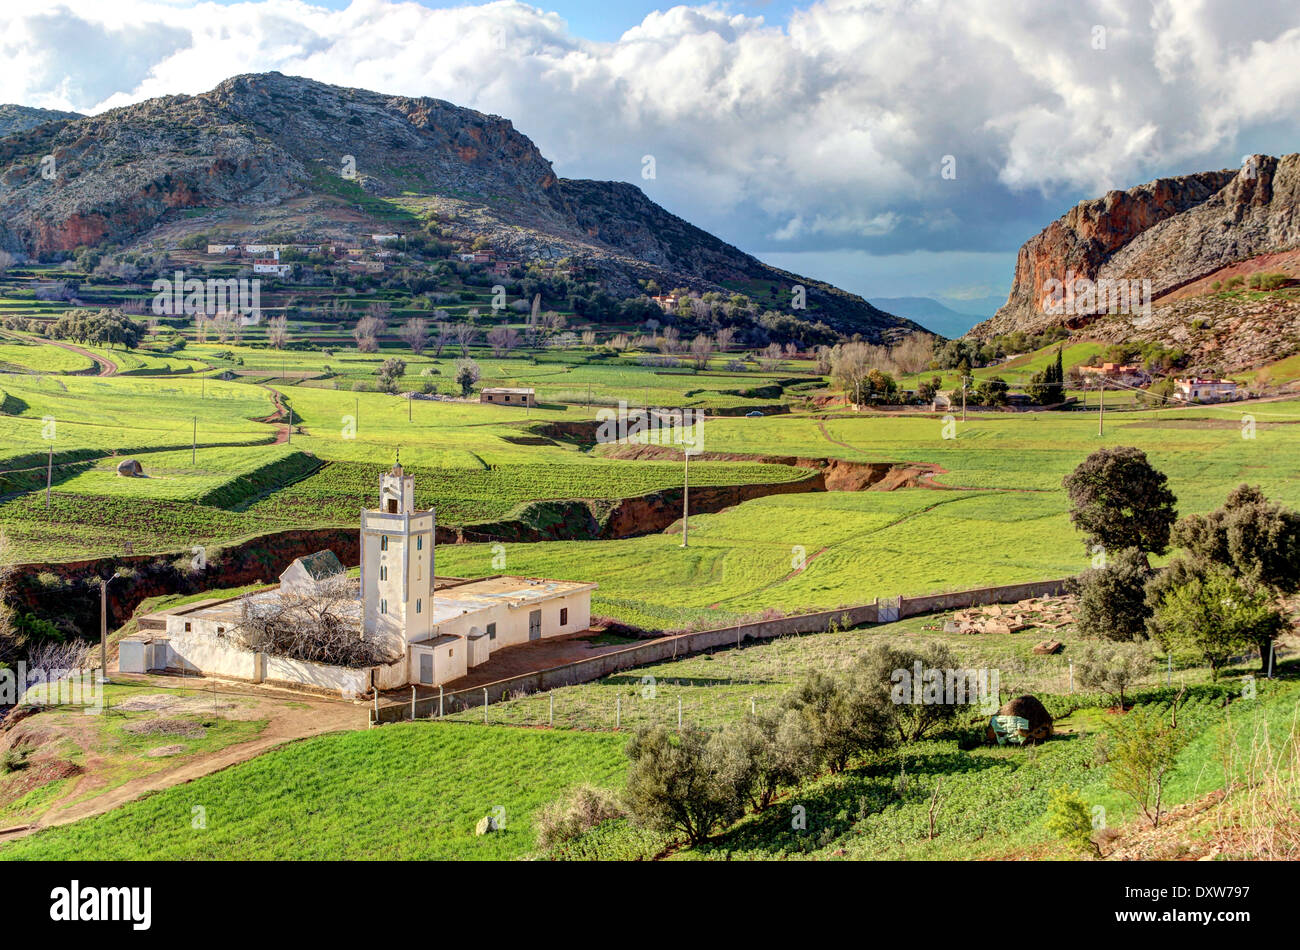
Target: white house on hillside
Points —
{"points": [[438, 631]]}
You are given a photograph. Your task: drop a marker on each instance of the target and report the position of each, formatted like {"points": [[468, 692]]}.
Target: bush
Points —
{"points": [[581, 809], [1141, 749], [1069, 820]]}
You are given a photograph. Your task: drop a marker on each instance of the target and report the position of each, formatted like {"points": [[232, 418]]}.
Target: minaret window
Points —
{"points": [[383, 542]]}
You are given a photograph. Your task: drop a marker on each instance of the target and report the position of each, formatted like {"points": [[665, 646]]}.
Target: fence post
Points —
{"points": [[552, 711], [1071, 676], [412, 702], [485, 705], [679, 714], [376, 704], [753, 708], [439, 700], [618, 711]]}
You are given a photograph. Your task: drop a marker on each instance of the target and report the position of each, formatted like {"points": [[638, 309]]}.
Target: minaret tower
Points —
{"points": [[397, 562]]}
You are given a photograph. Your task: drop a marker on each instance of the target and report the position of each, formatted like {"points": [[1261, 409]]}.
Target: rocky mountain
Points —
{"points": [[21, 118], [1183, 238], [266, 152]]}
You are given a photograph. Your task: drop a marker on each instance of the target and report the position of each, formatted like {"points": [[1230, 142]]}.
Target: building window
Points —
{"points": [[492, 631], [187, 626], [383, 542], [419, 605], [419, 543], [564, 616], [383, 606], [383, 572], [221, 631]]}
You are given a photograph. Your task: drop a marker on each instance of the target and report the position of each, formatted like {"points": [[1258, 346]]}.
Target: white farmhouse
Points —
{"points": [[436, 631]]}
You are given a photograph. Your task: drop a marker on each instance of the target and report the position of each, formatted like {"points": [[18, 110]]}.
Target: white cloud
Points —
{"points": [[827, 132]]}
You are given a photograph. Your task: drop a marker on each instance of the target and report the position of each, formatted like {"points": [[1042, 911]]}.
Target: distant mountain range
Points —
{"points": [[264, 154], [937, 317]]}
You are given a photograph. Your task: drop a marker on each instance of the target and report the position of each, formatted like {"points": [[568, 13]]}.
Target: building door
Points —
{"points": [[535, 625], [426, 668]]}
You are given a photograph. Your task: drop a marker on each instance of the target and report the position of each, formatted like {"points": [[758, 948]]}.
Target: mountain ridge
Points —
{"points": [[278, 148]]}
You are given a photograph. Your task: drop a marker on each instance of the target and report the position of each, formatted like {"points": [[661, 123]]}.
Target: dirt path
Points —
{"points": [[289, 718], [105, 366], [281, 412]]}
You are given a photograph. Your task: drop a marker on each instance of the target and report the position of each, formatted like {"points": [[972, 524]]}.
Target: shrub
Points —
{"points": [[581, 809], [1069, 820], [914, 713], [841, 716], [1141, 749]]}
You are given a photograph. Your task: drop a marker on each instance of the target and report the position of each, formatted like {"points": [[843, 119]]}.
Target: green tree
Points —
{"points": [[1112, 668], [766, 753], [1202, 609], [843, 716], [467, 374], [1112, 599], [678, 783], [914, 708], [1119, 500], [1257, 538]]}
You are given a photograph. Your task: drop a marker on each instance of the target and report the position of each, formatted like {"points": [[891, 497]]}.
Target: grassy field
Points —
{"points": [[335, 797], [416, 790]]}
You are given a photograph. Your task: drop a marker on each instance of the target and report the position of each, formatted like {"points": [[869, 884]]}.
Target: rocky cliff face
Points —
{"points": [[21, 118], [289, 149], [1171, 232]]}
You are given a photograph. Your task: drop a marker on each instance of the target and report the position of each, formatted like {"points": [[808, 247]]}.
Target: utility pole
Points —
{"points": [[410, 401], [49, 475], [963, 397], [686, 499], [103, 627], [1101, 410], [194, 442]]}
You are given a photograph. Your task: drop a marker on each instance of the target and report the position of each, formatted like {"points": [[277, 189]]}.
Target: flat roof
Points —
{"points": [[448, 603], [505, 389]]}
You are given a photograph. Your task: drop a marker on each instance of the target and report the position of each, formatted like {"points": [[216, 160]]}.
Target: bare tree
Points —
{"points": [[318, 623], [6, 261], [502, 340], [771, 358], [465, 335], [589, 338], [724, 338], [277, 332], [221, 324], [367, 334], [670, 339], [701, 350], [914, 353], [416, 334], [442, 332], [850, 364]]}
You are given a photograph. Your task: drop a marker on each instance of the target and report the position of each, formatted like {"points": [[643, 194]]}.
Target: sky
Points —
{"points": [[893, 147]]}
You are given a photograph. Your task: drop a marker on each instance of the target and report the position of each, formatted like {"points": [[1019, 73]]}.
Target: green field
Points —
{"points": [[335, 797]]}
